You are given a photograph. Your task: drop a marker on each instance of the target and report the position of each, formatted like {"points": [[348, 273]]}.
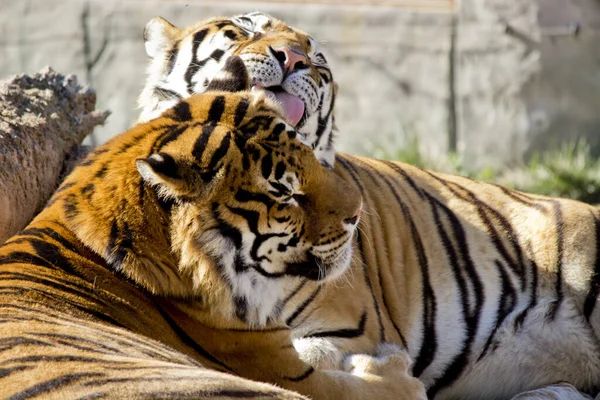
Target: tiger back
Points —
{"points": [[492, 292], [161, 266]]}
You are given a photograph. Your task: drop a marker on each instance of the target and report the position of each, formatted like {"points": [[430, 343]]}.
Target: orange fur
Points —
{"points": [[118, 285]]}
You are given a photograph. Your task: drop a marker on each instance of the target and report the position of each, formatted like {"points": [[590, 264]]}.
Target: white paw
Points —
{"points": [[320, 353], [390, 360]]}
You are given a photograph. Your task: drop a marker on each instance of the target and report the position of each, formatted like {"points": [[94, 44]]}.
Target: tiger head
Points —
{"points": [[218, 198], [281, 60]]}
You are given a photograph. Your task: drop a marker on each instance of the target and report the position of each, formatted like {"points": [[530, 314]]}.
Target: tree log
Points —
{"points": [[43, 120]]}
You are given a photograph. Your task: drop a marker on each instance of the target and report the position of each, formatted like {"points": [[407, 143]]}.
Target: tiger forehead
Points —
{"points": [[272, 32]]}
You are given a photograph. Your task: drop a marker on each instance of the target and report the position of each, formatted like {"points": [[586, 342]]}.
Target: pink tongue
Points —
{"points": [[292, 105]]}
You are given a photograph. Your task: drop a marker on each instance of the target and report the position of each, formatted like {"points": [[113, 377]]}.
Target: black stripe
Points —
{"points": [[592, 296], [52, 384], [171, 58], [5, 372], [63, 338], [240, 111], [165, 94], [120, 243], [221, 152], [429, 342], [554, 306], [181, 112], [226, 229], [353, 174], [202, 142], [195, 64], [185, 338], [405, 176], [244, 196], [290, 320], [275, 133], [53, 254], [508, 300], [61, 299], [230, 34], [21, 257], [402, 205], [308, 269], [266, 165], [217, 54], [487, 213], [533, 294], [301, 377], [58, 359], [521, 198], [279, 170], [166, 135], [9, 343], [217, 108], [475, 291], [293, 293], [343, 333]]}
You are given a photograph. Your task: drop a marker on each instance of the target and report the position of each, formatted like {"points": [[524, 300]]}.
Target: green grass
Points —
{"points": [[570, 171]]}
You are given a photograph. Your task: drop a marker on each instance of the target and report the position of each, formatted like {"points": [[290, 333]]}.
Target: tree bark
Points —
{"points": [[43, 120]]}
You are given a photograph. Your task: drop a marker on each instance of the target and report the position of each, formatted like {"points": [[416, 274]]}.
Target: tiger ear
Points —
{"points": [[159, 36], [161, 170], [233, 77]]}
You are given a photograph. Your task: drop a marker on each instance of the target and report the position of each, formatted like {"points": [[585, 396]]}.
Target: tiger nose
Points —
{"points": [[290, 59], [353, 220]]}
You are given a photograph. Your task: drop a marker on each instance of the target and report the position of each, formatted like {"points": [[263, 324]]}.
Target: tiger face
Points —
{"points": [[254, 199], [282, 61]]}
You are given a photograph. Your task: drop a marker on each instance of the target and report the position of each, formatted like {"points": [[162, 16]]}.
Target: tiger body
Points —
{"points": [[70, 328], [153, 272], [492, 292], [485, 302], [211, 237]]}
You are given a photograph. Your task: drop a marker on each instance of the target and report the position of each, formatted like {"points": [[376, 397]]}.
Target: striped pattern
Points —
{"points": [[160, 267], [66, 335], [462, 273], [185, 61]]}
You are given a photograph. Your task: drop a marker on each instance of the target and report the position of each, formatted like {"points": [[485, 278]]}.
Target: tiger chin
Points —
{"points": [[281, 60], [165, 264]]}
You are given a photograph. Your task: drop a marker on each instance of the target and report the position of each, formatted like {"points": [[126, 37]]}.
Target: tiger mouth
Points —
{"points": [[293, 106]]}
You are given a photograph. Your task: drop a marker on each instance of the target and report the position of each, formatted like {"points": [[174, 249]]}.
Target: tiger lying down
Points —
{"points": [[176, 246], [212, 237], [429, 297]]}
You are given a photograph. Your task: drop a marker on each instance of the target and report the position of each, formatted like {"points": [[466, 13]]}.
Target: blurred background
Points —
{"points": [[502, 90]]}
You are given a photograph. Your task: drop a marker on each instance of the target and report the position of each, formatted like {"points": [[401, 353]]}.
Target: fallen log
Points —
{"points": [[43, 120]]}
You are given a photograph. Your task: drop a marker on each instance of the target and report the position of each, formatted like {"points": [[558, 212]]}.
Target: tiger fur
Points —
{"points": [[517, 275], [154, 271], [184, 61]]}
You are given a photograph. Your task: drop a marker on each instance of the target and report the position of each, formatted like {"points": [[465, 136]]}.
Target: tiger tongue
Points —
{"points": [[292, 106]]}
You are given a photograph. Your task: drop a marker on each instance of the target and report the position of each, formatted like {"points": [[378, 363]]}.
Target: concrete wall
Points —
{"points": [[450, 81]]}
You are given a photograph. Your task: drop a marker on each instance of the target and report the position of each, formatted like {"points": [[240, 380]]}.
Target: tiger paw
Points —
{"points": [[391, 363]]}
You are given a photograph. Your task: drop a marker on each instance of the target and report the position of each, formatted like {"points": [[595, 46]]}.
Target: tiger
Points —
{"points": [[492, 292], [284, 62], [162, 265]]}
